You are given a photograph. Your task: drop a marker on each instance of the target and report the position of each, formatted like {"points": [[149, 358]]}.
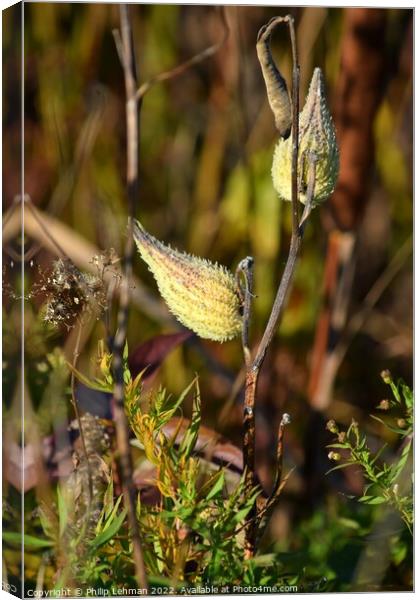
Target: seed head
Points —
{"points": [[70, 293], [316, 136], [202, 295]]}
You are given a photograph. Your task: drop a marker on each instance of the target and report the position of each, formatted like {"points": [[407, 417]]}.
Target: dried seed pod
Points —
{"points": [[202, 295], [316, 136], [277, 94]]}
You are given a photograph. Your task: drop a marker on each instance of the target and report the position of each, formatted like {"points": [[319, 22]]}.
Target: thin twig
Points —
{"points": [[121, 423], [76, 408], [9, 212], [180, 69], [357, 320], [245, 268], [269, 504], [28, 202], [295, 128], [81, 432]]}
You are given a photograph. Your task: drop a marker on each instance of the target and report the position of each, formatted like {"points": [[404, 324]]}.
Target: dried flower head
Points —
{"points": [[331, 426], [70, 293], [334, 456], [386, 376], [384, 405], [202, 295], [316, 136]]}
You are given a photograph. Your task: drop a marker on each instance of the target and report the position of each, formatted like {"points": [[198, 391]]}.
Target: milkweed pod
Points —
{"points": [[202, 295], [316, 137], [277, 93]]}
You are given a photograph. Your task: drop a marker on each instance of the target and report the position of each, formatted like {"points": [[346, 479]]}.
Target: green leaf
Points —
{"points": [[378, 454], [125, 351], [338, 445], [264, 560], [94, 384], [241, 514], [340, 466], [399, 553], [372, 499], [379, 420], [63, 514], [408, 395], [109, 532], [391, 427], [190, 438], [49, 521], [395, 391], [28, 540], [397, 468], [350, 523], [109, 498], [113, 512], [166, 412], [218, 485]]}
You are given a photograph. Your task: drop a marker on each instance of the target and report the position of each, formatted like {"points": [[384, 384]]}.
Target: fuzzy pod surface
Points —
{"points": [[317, 136], [202, 295]]}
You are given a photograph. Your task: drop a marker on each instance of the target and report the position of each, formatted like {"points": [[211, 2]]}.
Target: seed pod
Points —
{"points": [[316, 136], [277, 94], [202, 295]]}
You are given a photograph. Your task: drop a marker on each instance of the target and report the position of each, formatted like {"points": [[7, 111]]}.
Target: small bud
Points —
{"points": [[384, 405], [332, 426], [341, 437], [386, 376], [401, 423], [316, 136], [202, 295], [334, 456], [286, 419]]}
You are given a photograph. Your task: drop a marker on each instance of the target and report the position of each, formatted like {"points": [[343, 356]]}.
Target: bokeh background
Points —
{"points": [[206, 146]]}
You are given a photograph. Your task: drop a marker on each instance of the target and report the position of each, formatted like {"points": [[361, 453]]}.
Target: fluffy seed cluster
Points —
{"points": [[202, 295], [316, 135], [70, 293]]}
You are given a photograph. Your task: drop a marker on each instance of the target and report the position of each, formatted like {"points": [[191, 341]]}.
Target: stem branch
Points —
{"points": [[253, 367], [126, 51]]}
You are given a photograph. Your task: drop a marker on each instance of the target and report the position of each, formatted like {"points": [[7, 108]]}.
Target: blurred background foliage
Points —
{"points": [[207, 140]]}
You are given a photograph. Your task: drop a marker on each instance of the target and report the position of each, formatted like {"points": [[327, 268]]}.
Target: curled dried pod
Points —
{"points": [[202, 295], [316, 138], [277, 93]]}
